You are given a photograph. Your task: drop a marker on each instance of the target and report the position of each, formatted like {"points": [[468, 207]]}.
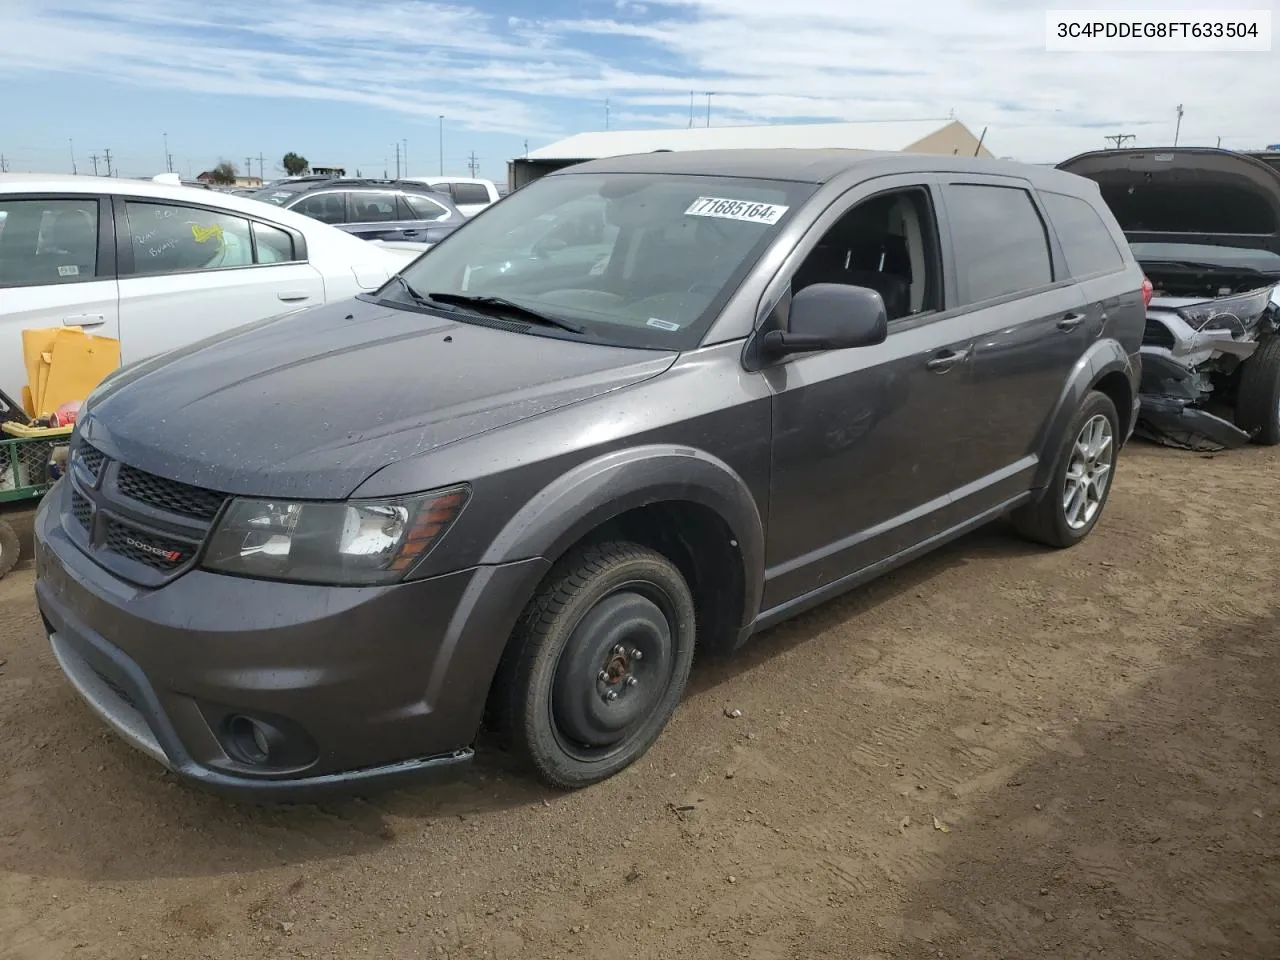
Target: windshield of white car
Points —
{"points": [[1208, 256], [638, 260]]}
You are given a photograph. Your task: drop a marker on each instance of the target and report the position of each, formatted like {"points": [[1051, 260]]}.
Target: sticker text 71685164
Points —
{"points": [[726, 209]]}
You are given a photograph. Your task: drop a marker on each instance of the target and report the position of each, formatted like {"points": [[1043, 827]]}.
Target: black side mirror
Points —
{"points": [[830, 316]]}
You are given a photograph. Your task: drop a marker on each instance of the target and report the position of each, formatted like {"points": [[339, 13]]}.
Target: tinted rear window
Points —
{"points": [[1086, 241], [999, 239]]}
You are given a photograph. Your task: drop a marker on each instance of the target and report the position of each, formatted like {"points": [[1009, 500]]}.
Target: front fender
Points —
{"points": [[1103, 357], [579, 501]]}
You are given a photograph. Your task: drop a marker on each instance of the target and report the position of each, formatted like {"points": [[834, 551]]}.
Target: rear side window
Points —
{"points": [[371, 207], [48, 241], [167, 238], [422, 208], [1086, 241], [999, 240], [470, 193]]}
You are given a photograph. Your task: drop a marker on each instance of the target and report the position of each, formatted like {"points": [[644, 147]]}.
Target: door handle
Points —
{"points": [[290, 295], [1070, 322], [84, 320], [947, 359], [410, 232]]}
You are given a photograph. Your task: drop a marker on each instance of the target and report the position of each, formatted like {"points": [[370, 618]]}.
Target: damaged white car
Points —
{"points": [[1205, 225]]}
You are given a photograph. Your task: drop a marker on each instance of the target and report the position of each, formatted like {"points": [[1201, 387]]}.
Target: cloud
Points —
{"points": [[764, 60]]}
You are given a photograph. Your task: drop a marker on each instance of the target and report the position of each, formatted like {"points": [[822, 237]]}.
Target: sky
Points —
{"points": [[343, 81]]}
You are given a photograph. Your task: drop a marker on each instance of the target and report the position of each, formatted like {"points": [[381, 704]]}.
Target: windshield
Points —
{"points": [[1213, 255], [633, 259]]}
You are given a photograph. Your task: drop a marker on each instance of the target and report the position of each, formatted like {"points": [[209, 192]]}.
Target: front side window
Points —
{"points": [[325, 207], [635, 259], [1086, 242], [167, 238], [999, 241], [48, 241]]}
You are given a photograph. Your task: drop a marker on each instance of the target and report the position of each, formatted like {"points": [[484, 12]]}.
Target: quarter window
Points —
{"points": [[1086, 242], [274, 245], [999, 241], [48, 241]]}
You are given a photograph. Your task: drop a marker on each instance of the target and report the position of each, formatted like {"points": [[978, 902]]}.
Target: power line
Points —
{"points": [[94, 158], [108, 159], [473, 163], [262, 173], [1119, 138]]}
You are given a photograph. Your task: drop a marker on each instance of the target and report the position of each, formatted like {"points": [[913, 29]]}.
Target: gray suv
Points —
{"points": [[526, 480]]}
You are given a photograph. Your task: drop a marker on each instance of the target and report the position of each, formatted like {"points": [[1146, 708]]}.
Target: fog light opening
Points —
{"points": [[249, 739]]}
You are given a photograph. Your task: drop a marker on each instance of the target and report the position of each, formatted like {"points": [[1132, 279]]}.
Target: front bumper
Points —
{"points": [[356, 684]]}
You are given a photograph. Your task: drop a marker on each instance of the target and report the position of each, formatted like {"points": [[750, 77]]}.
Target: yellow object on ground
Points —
{"points": [[23, 430], [64, 364]]}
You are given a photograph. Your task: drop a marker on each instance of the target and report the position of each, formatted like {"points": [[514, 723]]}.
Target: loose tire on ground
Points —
{"points": [[575, 645], [1258, 398], [9, 547], [1048, 520]]}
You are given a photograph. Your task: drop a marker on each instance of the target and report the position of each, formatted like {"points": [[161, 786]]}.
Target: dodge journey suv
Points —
{"points": [[519, 485]]}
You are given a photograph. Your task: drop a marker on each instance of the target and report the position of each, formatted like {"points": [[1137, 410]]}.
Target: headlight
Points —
{"points": [[355, 542], [1236, 313]]}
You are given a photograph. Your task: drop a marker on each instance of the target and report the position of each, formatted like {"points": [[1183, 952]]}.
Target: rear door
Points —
{"points": [[188, 271], [57, 268], [1030, 326]]}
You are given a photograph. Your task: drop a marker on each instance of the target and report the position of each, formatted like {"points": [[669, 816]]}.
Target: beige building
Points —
{"points": [[907, 136]]}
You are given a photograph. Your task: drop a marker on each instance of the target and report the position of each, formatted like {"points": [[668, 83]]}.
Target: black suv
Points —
{"points": [[527, 478], [371, 209]]}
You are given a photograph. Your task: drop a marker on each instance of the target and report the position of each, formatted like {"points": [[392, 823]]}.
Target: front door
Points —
{"points": [[57, 268], [864, 439]]}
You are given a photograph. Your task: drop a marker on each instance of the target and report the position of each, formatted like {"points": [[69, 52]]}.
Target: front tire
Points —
{"points": [[597, 663], [1078, 491], [1258, 398]]}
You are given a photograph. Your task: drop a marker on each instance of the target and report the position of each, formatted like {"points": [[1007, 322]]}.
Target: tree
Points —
{"points": [[224, 173], [294, 165]]}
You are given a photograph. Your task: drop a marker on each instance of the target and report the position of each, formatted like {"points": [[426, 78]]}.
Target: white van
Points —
{"points": [[470, 195]]}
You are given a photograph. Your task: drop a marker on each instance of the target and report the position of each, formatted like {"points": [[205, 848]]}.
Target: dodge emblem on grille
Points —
{"points": [[171, 555]]}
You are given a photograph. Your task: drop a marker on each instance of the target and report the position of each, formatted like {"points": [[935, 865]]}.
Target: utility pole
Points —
{"points": [[709, 96], [1119, 139], [72, 147], [94, 158], [4, 164], [473, 163], [108, 159], [442, 144], [1219, 143], [397, 146], [690, 109], [168, 157], [606, 113], [248, 166], [262, 172], [1178, 129], [405, 151], [526, 149]]}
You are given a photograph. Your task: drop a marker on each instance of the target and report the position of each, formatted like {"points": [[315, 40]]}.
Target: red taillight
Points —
{"points": [[1147, 291]]}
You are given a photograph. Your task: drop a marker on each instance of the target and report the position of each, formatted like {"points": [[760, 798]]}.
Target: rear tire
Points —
{"points": [[572, 697], [1077, 493], [1258, 397]]}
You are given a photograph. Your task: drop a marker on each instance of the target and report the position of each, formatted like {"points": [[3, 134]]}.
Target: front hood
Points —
{"points": [[311, 404], [1187, 194]]}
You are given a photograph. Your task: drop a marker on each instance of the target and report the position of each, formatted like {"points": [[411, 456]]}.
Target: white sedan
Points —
{"points": [[159, 266]]}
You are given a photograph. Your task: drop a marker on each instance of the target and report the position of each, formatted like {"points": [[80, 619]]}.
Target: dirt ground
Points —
{"points": [[996, 752]]}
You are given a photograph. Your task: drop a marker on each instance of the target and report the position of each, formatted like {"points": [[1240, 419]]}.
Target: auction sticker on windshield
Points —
{"points": [[726, 209]]}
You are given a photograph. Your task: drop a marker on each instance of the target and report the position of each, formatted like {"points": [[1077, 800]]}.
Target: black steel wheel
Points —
{"points": [[597, 664]]}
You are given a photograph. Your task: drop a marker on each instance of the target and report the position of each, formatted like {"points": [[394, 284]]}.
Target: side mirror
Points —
{"points": [[830, 316]]}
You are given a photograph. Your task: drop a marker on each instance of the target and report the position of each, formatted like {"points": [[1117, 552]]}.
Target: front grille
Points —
{"points": [[168, 495], [91, 457], [150, 549], [81, 509]]}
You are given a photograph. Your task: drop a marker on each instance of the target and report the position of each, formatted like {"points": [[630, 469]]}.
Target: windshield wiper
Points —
{"points": [[506, 306], [1204, 265], [414, 295]]}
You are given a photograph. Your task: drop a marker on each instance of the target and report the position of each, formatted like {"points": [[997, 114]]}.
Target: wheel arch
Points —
{"points": [[1105, 367]]}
